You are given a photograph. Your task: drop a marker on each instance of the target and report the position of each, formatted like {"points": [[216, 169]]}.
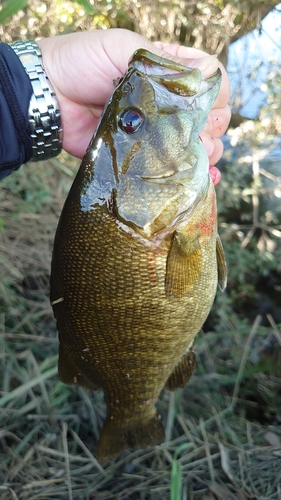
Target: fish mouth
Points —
{"points": [[153, 64], [174, 81]]}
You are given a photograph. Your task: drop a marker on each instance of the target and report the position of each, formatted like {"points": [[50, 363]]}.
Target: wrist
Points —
{"points": [[43, 113]]}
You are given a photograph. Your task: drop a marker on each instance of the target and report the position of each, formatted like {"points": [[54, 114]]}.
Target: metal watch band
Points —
{"points": [[43, 114]]}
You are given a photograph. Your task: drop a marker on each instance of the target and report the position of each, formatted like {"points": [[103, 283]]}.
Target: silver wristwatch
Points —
{"points": [[43, 114]]}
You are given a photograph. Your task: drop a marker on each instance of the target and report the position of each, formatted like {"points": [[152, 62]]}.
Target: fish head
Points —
{"points": [[146, 160]]}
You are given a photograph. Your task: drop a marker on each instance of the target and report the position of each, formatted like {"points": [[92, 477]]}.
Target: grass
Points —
{"points": [[223, 434]]}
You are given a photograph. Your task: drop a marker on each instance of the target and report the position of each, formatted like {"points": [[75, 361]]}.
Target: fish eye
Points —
{"points": [[131, 120]]}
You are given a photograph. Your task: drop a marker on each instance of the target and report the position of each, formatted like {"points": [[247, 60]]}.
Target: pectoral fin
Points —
{"points": [[222, 269], [183, 371], [183, 265]]}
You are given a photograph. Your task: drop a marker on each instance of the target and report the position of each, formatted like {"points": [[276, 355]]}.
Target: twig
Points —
{"points": [[248, 238], [255, 196]]}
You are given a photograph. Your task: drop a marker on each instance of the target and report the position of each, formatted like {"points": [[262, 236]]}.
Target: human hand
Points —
{"points": [[82, 66]]}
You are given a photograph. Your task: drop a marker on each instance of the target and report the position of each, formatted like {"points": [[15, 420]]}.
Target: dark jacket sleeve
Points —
{"points": [[15, 94]]}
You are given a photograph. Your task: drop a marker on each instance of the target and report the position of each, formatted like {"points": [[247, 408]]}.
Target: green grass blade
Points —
{"points": [[176, 481], [11, 7], [88, 8], [22, 389]]}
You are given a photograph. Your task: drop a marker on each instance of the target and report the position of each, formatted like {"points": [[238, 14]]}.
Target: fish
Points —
{"points": [[137, 256]]}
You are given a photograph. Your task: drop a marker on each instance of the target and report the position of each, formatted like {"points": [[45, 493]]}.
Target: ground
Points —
{"points": [[223, 435]]}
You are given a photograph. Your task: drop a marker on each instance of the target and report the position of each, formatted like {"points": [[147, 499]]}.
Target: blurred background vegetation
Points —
{"points": [[223, 435]]}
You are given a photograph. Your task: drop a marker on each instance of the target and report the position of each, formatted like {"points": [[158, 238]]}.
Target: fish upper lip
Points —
{"points": [[154, 64], [187, 82]]}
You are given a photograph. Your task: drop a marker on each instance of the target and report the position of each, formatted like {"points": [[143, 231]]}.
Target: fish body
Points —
{"points": [[137, 257]]}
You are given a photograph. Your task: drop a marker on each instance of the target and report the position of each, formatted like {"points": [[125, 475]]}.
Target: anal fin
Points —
{"points": [[182, 372]]}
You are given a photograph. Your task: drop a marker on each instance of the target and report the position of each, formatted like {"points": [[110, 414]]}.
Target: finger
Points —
{"points": [[215, 174], [188, 55], [180, 50], [213, 146], [218, 121]]}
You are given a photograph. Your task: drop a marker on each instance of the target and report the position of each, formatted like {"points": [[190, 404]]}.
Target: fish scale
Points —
{"points": [[130, 298]]}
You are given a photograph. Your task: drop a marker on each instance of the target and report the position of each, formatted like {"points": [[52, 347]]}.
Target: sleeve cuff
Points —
{"points": [[15, 95]]}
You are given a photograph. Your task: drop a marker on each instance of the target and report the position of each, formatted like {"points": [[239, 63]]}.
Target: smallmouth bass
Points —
{"points": [[137, 257]]}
